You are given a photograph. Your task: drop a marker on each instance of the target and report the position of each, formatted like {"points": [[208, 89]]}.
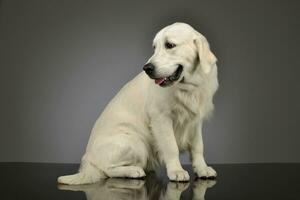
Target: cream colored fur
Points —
{"points": [[145, 125]]}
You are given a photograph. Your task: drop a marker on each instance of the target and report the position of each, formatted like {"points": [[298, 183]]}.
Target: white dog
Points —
{"points": [[157, 114]]}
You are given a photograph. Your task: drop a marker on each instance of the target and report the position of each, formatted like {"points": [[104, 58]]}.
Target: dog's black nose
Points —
{"points": [[149, 68]]}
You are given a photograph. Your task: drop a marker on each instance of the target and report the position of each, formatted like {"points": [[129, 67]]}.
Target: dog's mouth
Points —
{"points": [[166, 81]]}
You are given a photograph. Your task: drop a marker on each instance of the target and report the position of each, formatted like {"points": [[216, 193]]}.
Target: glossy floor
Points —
{"points": [[253, 181]]}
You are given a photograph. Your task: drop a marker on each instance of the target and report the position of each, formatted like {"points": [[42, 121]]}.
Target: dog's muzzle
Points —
{"points": [[164, 81]]}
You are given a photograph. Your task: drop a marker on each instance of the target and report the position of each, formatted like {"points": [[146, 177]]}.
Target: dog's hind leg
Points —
{"points": [[126, 159], [87, 174], [125, 171]]}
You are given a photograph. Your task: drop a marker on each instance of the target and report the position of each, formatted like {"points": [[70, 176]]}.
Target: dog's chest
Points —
{"points": [[186, 114], [186, 107]]}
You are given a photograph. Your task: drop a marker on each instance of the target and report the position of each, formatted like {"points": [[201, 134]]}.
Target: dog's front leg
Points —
{"points": [[196, 150], [162, 130]]}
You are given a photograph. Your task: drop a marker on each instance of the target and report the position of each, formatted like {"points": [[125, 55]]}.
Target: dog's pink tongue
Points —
{"points": [[159, 81]]}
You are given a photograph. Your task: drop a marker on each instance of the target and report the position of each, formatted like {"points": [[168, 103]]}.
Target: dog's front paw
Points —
{"points": [[205, 172], [178, 175]]}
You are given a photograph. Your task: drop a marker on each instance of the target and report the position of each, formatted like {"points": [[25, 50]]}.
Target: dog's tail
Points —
{"points": [[86, 175]]}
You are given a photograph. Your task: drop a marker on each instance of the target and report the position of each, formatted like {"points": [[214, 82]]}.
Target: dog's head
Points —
{"points": [[179, 52]]}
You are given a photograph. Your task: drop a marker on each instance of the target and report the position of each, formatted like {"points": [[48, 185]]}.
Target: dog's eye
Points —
{"points": [[169, 45]]}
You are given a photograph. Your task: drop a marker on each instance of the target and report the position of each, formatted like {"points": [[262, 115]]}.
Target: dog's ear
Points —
{"points": [[206, 57]]}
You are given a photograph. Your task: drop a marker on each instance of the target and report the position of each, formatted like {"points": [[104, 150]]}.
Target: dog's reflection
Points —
{"points": [[151, 188]]}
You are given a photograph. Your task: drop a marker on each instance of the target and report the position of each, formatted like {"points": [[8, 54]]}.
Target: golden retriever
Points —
{"points": [[156, 115]]}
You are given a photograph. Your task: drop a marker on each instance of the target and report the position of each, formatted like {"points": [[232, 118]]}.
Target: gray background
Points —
{"points": [[62, 61]]}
